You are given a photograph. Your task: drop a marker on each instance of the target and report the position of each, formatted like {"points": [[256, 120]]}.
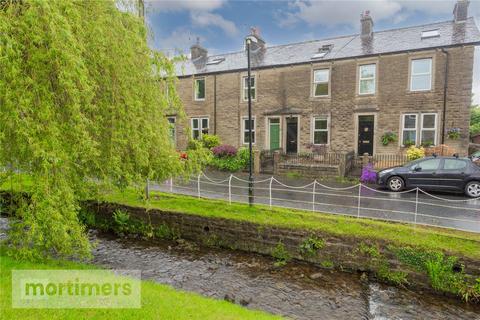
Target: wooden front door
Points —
{"points": [[292, 135], [365, 134], [274, 133]]}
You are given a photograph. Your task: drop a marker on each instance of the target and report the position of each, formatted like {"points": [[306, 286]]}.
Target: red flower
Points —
{"points": [[183, 156]]}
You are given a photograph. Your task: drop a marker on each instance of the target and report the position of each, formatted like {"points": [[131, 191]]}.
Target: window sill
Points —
{"points": [[320, 98], [366, 95]]}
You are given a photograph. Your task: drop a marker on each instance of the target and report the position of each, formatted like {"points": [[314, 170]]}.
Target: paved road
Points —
{"points": [[437, 209]]}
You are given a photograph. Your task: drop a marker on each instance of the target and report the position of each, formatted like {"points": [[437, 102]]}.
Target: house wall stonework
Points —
{"points": [[291, 86]]}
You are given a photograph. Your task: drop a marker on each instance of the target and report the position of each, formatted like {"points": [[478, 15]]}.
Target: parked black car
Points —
{"points": [[434, 173]]}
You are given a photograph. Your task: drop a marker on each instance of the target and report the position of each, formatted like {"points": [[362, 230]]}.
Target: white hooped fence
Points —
{"points": [[414, 206]]}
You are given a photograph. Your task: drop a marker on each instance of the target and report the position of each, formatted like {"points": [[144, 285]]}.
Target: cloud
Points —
{"points": [[205, 19], [347, 12], [178, 42], [181, 5]]}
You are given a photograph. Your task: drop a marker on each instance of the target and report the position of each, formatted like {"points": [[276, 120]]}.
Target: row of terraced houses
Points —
{"points": [[341, 93]]}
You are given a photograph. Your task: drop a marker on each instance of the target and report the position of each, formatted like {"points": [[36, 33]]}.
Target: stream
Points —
{"points": [[298, 290]]}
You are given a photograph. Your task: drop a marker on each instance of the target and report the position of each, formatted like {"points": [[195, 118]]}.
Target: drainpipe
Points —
{"points": [[445, 83], [214, 104]]}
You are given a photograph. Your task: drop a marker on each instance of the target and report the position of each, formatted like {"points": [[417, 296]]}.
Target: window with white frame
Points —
{"points": [[171, 129], [246, 127], [366, 79], [200, 89], [409, 130], [421, 75], [199, 127], [428, 135], [253, 84], [320, 130], [419, 129], [321, 79]]}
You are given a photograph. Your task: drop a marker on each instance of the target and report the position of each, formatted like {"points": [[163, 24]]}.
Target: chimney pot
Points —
{"points": [[197, 51], [460, 11], [258, 46], [367, 25]]}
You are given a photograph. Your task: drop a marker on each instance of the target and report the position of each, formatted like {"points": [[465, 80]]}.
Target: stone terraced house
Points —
{"points": [[343, 93]]}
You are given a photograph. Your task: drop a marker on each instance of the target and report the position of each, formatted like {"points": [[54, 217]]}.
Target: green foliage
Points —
{"points": [[441, 274], [427, 143], [281, 255], [232, 164], [371, 251], [210, 141], [414, 153], [398, 278], [311, 245], [121, 222], [327, 264], [293, 175], [83, 100], [474, 120], [388, 137], [408, 143], [165, 232], [194, 144]]}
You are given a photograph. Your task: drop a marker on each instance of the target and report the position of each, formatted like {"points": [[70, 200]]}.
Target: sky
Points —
{"points": [[221, 25]]}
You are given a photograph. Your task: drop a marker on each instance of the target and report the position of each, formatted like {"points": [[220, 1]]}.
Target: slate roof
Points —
{"points": [[388, 41]]}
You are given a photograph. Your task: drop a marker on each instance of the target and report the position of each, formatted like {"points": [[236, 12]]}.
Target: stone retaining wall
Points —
{"points": [[340, 252]]}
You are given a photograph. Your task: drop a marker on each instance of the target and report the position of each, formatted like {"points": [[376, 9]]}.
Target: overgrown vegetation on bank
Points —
{"points": [[158, 301]]}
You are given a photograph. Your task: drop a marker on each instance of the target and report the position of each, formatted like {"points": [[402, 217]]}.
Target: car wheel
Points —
{"points": [[472, 189], [395, 184]]}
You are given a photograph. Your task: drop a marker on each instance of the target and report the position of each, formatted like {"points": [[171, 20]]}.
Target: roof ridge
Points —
{"points": [[339, 37]]}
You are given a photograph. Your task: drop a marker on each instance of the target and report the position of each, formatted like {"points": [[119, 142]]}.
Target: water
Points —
{"points": [[297, 291]]}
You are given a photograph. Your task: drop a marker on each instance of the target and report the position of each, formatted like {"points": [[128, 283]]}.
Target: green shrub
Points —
{"points": [[121, 222], [210, 141], [310, 246], [232, 164], [194, 145], [388, 137], [414, 153], [367, 250], [281, 255]]}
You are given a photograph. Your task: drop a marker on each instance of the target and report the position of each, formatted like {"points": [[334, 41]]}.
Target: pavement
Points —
{"points": [[436, 209]]}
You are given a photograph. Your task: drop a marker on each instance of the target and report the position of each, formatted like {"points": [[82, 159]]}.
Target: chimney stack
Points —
{"points": [[367, 25], [460, 11], [258, 46], [198, 52]]}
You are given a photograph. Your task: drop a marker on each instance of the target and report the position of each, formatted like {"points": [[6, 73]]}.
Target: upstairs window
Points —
{"points": [[252, 88], [321, 79], [199, 127], [246, 128], [421, 75], [320, 130], [366, 75], [200, 89]]}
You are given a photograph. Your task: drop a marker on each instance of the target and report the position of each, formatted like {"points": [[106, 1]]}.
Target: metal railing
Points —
{"points": [[414, 206]]}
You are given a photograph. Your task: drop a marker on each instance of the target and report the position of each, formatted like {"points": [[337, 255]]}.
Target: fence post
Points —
{"points": [[147, 189], [276, 161], [359, 194], [230, 189], [171, 185], [270, 192], [198, 184], [313, 198], [416, 207]]}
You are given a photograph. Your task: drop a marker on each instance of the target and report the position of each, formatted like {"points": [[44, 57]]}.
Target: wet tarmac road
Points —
{"points": [[437, 209]]}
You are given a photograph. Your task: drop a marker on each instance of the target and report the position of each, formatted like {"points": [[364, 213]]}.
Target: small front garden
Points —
{"points": [[222, 157]]}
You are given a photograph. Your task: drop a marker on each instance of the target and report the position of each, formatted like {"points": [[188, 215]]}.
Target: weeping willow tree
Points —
{"points": [[82, 105]]}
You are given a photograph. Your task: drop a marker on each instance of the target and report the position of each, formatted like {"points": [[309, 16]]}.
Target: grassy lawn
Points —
{"points": [[430, 238], [158, 301], [452, 241]]}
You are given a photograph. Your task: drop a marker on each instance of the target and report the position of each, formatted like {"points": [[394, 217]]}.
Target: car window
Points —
{"points": [[431, 164], [454, 164]]}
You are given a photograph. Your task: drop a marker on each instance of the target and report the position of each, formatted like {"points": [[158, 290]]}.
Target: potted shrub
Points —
{"points": [[388, 137], [453, 133]]}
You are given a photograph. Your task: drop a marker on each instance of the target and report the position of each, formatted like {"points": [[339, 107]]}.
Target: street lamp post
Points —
{"points": [[249, 95]]}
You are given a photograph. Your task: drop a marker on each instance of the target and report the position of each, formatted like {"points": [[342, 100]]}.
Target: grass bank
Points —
{"points": [[158, 301], [428, 238]]}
